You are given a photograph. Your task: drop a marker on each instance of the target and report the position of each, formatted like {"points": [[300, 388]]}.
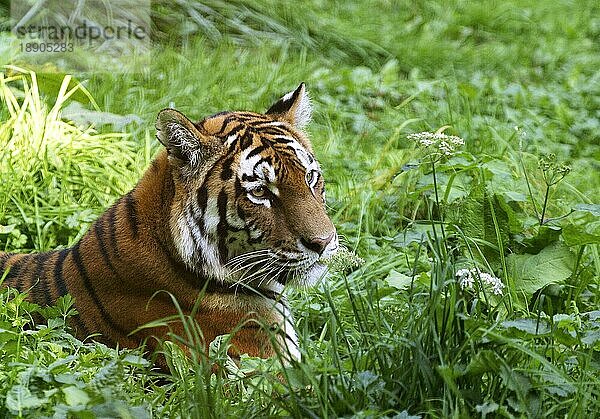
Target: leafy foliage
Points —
{"points": [[46, 371]]}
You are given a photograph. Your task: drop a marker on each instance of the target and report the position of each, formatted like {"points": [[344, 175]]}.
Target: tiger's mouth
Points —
{"points": [[304, 276], [262, 269]]}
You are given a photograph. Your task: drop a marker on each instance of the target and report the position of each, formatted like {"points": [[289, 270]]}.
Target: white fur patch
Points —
{"points": [[211, 215], [195, 248], [233, 219], [301, 108], [247, 164], [231, 139], [259, 201], [309, 162], [265, 171], [303, 111], [288, 96]]}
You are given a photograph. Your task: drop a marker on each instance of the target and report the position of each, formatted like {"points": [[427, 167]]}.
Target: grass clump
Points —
{"points": [[45, 371], [65, 173]]}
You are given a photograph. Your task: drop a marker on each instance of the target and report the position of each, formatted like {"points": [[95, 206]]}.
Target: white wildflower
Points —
{"points": [[456, 140], [437, 142], [466, 279]]}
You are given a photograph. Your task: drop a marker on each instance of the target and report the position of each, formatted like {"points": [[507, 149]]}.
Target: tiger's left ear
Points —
{"points": [[183, 140], [294, 108]]}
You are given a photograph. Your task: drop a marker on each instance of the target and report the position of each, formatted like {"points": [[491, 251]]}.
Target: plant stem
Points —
{"points": [[537, 214], [545, 203], [437, 203]]}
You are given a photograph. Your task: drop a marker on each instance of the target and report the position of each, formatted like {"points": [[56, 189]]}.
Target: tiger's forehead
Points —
{"points": [[263, 143]]}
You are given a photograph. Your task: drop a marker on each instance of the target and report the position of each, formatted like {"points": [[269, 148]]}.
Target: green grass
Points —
{"points": [[397, 335]]}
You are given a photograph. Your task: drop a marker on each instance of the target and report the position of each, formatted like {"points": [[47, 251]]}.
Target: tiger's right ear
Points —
{"points": [[182, 139]]}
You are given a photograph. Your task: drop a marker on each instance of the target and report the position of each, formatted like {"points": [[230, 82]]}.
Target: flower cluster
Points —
{"points": [[466, 279], [442, 143], [343, 260], [552, 171]]}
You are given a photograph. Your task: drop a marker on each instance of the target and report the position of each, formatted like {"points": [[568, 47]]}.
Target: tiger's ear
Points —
{"points": [[181, 137], [294, 107]]}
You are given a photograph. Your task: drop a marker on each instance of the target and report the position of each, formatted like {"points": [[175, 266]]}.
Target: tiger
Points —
{"points": [[229, 214]]}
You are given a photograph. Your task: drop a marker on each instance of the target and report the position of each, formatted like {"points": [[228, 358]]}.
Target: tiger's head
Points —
{"points": [[249, 205]]}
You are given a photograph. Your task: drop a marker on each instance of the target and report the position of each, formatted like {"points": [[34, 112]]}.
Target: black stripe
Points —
{"points": [[215, 114], [165, 249], [58, 272], [234, 131], [226, 122], [40, 261], [130, 207], [202, 197], [270, 133], [222, 226], [17, 266], [166, 193], [227, 172], [13, 271], [245, 140], [112, 229], [92, 292], [237, 186], [264, 159], [257, 150], [256, 119], [249, 178], [282, 140], [98, 230], [3, 259], [249, 116]]}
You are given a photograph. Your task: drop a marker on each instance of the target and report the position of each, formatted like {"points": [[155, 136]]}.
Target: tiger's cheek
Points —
{"points": [[258, 223]]}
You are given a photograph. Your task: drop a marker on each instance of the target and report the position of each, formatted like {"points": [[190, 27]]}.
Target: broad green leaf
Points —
{"points": [[416, 234], [530, 326], [487, 408], [135, 360], [564, 320], [545, 236], [593, 209], [559, 385], [577, 236], [75, 396], [66, 378], [20, 399], [476, 215], [398, 280], [591, 337], [554, 264], [484, 361], [7, 229]]}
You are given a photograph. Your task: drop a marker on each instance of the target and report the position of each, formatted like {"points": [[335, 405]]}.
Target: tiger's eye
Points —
{"points": [[259, 192], [312, 177]]}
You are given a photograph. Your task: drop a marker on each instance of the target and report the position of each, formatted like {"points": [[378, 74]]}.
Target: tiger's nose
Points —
{"points": [[317, 244]]}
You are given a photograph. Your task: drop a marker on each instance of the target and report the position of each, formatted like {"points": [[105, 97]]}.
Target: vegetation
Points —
{"points": [[460, 145]]}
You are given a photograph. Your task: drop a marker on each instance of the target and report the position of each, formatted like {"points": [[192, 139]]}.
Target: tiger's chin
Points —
{"points": [[308, 277]]}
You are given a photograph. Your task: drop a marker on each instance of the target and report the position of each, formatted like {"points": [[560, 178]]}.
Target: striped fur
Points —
{"points": [[234, 205]]}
